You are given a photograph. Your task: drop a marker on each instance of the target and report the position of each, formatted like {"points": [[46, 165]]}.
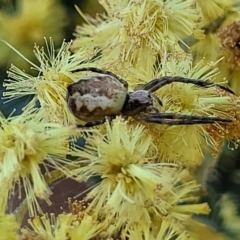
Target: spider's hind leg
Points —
{"points": [[179, 119]]}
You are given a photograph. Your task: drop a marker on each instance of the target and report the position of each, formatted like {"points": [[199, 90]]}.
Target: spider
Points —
{"points": [[96, 98]]}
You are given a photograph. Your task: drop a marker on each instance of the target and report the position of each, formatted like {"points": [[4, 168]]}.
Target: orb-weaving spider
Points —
{"points": [[95, 98]]}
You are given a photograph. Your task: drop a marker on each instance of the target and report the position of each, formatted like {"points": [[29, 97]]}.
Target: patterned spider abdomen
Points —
{"points": [[95, 97]]}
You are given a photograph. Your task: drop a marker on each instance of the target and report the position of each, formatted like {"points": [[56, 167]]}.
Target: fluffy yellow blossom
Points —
{"points": [[222, 43], [229, 131], [48, 227], [136, 32], [132, 181], [230, 74], [210, 44], [216, 15], [166, 229], [50, 82], [28, 24], [214, 9], [186, 143], [85, 230], [62, 227], [26, 142], [84, 225], [8, 226]]}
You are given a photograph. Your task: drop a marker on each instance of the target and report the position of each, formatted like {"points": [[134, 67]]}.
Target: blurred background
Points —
{"points": [[24, 23]]}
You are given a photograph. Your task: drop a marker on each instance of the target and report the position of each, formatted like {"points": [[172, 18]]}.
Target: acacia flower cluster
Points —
{"points": [[147, 188], [8, 226], [214, 9], [48, 84], [189, 99], [133, 182], [136, 33], [220, 25], [27, 142]]}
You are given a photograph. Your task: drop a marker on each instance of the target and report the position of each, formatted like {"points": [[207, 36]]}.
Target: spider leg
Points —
{"points": [[179, 119], [96, 123], [152, 108], [157, 99], [157, 83], [97, 70], [91, 124]]}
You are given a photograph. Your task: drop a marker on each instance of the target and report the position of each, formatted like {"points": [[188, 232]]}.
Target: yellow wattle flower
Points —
{"points": [[166, 229], [186, 144], [8, 226], [214, 9], [87, 229], [48, 226], [27, 141], [207, 49], [135, 33], [84, 225], [53, 75], [62, 227], [132, 180]]}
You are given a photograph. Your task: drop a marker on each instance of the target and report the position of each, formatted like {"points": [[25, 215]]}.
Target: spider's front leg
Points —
{"points": [[179, 119], [157, 83], [95, 123]]}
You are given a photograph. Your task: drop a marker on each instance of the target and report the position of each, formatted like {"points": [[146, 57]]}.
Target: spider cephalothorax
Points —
{"points": [[105, 95]]}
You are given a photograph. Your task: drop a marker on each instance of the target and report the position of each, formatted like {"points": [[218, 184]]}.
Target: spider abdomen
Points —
{"points": [[95, 97]]}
